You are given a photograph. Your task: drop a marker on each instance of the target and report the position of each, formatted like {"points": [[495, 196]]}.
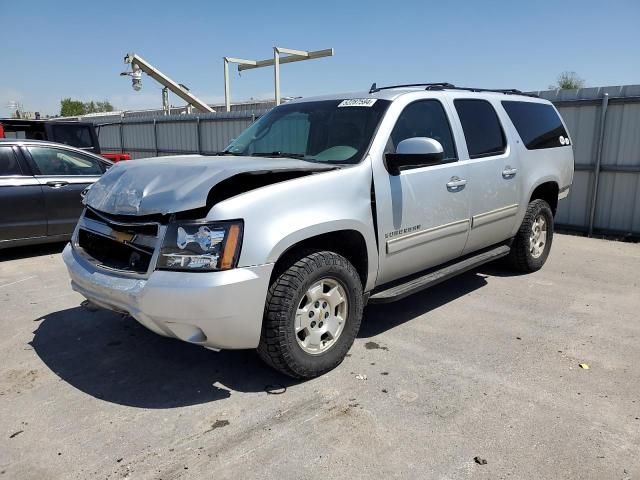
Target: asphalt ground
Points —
{"points": [[486, 365]]}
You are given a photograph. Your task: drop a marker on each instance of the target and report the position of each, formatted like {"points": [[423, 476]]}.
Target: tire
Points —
{"points": [[526, 254], [313, 281]]}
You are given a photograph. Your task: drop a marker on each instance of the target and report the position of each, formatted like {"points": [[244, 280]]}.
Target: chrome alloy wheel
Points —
{"points": [[538, 237], [321, 316]]}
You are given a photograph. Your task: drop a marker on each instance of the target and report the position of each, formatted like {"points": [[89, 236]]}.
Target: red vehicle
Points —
{"points": [[76, 134]]}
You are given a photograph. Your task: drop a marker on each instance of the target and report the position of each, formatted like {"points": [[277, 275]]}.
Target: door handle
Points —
{"points": [[57, 183], [509, 172], [456, 184]]}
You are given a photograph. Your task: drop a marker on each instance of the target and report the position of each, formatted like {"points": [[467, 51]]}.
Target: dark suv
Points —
{"points": [[76, 134], [40, 189], [82, 135]]}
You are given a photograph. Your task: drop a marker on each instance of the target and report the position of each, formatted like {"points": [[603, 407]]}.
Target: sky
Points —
{"points": [[66, 48]]}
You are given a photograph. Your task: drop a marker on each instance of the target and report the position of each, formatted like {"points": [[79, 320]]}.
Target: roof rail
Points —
{"points": [[506, 91], [429, 86], [449, 86]]}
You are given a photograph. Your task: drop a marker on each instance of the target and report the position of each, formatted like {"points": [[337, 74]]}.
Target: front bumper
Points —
{"points": [[214, 309]]}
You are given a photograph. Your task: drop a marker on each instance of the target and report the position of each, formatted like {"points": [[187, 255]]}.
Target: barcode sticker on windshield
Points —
{"points": [[358, 102]]}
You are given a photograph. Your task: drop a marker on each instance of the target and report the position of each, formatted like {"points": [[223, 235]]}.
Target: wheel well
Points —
{"points": [[548, 192], [348, 243]]}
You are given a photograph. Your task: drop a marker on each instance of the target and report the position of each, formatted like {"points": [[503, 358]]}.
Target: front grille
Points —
{"points": [[113, 244], [118, 223], [113, 254]]}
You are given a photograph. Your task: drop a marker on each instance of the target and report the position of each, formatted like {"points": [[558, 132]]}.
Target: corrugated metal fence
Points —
{"points": [[173, 134], [604, 124]]}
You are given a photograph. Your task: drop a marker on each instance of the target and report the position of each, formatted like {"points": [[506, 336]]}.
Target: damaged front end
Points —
{"points": [[152, 216], [180, 184], [138, 245]]}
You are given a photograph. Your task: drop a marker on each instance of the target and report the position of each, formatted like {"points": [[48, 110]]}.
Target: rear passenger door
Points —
{"points": [[493, 173], [22, 211], [63, 174]]}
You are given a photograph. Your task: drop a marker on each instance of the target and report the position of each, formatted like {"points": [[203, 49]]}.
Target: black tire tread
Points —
{"points": [[281, 295], [519, 257]]}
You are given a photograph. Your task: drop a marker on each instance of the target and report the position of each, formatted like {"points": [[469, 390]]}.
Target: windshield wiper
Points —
{"points": [[278, 154], [223, 152]]}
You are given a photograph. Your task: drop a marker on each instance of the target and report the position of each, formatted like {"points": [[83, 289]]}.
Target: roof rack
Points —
{"points": [[506, 91], [430, 86], [449, 86]]}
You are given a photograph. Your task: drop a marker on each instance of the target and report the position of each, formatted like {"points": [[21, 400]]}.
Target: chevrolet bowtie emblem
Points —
{"points": [[123, 236]]}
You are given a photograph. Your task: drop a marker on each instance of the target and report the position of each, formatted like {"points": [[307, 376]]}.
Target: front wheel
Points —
{"points": [[312, 315], [532, 243]]}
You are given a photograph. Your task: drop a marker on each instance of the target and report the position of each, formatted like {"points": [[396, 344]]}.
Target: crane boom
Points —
{"points": [[161, 78]]}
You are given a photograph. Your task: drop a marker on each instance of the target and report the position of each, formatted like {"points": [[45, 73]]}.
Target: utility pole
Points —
{"points": [[165, 101]]}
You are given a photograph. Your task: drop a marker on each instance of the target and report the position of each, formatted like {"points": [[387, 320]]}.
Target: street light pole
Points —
{"points": [[278, 59]]}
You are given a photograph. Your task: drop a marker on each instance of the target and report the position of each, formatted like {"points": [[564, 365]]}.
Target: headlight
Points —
{"points": [[201, 246]]}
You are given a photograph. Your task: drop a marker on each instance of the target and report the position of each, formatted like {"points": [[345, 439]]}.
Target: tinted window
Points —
{"points": [[8, 162], [481, 127], [54, 161], [538, 124], [74, 135], [424, 118]]}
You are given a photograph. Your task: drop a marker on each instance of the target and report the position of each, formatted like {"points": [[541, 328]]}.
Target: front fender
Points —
{"points": [[278, 216]]}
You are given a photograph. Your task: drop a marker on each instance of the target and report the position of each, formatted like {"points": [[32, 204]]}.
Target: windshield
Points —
{"points": [[333, 131]]}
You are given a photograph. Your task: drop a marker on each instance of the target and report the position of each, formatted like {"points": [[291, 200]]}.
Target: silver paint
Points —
{"points": [[434, 207]]}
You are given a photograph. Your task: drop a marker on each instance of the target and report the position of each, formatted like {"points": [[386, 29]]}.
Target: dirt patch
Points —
{"points": [[374, 346], [217, 424]]}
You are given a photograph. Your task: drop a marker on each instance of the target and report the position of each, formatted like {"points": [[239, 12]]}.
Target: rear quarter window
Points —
{"points": [[8, 162], [538, 124], [75, 135]]}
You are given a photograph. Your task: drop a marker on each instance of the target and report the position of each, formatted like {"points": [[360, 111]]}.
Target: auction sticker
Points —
{"points": [[358, 102]]}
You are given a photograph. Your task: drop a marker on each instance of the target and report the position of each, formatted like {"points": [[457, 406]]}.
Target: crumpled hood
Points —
{"points": [[175, 184]]}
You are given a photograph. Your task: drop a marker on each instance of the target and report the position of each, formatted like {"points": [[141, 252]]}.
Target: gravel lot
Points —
{"points": [[485, 365]]}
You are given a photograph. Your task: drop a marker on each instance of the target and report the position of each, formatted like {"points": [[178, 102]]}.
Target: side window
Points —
{"points": [[424, 118], [481, 128], [54, 161], [74, 135], [538, 124], [8, 163]]}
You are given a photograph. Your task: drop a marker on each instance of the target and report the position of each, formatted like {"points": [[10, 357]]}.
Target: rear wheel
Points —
{"points": [[312, 314], [532, 243]]}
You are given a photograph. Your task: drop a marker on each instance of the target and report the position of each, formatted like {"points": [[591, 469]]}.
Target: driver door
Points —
{"points": [[423, 212]]}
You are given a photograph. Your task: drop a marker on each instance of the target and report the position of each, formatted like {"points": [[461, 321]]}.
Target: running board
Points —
{"points": [[432, 278]]}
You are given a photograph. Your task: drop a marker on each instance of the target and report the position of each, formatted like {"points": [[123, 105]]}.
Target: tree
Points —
{"points": [[568, 81], [73, 108], [104, 106]]}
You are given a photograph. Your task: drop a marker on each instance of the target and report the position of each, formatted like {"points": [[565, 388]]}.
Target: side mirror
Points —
{"points": [[413, 153]]}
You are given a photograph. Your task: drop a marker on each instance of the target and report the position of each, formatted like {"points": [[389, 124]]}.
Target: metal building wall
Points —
{"points": [[604, 124], [616, 148]]}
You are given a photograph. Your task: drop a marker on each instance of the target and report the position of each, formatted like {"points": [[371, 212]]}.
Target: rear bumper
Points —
{"points": [[215, 309]]}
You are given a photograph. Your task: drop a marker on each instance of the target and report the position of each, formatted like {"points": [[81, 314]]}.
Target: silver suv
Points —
{"points": [[319, 207]]}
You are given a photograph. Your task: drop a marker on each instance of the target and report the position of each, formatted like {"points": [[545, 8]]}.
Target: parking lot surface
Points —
{"points": [[486, 365]]}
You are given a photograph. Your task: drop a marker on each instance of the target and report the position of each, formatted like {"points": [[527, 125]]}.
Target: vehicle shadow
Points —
{"points": [[28, 251], [113, 358], [380, 318]]}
